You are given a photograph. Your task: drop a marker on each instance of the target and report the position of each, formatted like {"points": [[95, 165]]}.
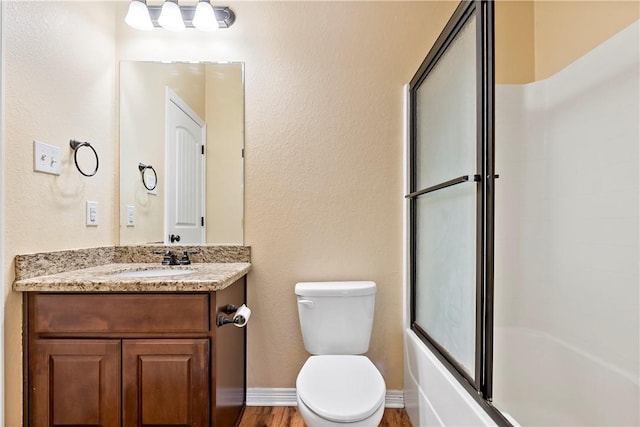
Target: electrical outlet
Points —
{"points": [[92, 214], [46, 158], [131, 216]]}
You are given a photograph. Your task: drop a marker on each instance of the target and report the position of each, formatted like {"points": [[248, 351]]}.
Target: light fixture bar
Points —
{"points": [[224, 15]]}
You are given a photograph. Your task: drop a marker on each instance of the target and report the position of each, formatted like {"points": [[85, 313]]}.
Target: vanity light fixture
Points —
{"points": [[138, 16], [204, 18], [174, 17], [171, 17]]}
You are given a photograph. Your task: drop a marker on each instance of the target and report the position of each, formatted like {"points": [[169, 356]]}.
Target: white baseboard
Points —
{"points": [[271, 397], [287, 397], [394, 399]]}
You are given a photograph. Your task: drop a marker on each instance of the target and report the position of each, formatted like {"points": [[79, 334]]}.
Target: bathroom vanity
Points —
{"points": [[105, 346]]}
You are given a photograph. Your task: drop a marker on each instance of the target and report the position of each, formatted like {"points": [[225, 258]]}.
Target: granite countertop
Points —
{"points": [[204, 277]]}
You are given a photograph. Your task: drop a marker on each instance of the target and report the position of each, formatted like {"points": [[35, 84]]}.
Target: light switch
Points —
{"points": [[46, 158], [131, 216], [92, 213]]}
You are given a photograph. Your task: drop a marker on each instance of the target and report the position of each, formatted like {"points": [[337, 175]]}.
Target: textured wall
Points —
{"points": [[59, 84], [323, 167]]}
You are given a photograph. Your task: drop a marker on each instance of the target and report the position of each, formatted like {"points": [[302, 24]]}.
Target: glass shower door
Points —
{"points": [[451, 181], [445, 229]]}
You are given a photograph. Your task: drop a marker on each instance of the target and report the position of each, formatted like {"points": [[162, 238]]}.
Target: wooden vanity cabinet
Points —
{"points": [[165, 382], [74, 382], [133, 359]]}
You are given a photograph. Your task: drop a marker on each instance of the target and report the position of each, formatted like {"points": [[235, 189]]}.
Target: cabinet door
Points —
{"points": [[165, 382], [230, 361], [75, 383]]}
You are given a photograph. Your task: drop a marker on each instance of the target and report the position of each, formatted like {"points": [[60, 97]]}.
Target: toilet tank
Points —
{"points": [[336, 317]]}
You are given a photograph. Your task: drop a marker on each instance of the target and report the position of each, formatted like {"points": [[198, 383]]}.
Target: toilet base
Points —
{"points": [[312, 419]]}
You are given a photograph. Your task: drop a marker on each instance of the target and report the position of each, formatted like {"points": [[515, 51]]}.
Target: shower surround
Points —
{"points": [[566, 268], [567, 322]]}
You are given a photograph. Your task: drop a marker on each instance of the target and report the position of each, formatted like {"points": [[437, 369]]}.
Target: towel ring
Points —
{"points": [[75, 146], [149, 182]]}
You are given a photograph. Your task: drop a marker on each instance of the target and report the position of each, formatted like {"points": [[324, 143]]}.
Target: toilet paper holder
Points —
{"points": [[227, 315]]}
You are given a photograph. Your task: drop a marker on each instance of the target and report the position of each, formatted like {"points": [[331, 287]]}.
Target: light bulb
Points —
{"points": [[205, 17], [138, 16], [171, 17]]}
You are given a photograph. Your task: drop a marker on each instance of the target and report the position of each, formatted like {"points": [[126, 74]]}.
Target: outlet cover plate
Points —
{"points": [[131, 216], [92, 214]]}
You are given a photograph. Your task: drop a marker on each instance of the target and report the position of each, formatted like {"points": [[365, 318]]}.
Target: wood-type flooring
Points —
{"points": [[288, 416]]}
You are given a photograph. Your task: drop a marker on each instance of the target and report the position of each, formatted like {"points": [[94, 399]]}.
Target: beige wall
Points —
{"points": [[566, 30], [536, 39], [514, 41], [323, 167], [225, 165], [55, 88]]}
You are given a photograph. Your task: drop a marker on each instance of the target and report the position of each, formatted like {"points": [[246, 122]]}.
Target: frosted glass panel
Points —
{"points": [[446, 114], [446, 269], [445, 280]]}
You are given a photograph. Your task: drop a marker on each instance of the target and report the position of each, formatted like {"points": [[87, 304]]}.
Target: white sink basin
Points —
{"points": [[152, 272]]}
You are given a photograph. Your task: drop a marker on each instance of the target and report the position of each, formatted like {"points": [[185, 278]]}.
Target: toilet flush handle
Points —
{"points": [[306, 302]]}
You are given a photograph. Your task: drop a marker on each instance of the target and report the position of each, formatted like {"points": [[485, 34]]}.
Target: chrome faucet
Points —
{"points": [[169, 258], [185, 257], [172, 259]]}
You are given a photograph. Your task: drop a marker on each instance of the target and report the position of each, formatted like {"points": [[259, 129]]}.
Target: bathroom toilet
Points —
{"points": [[338, 386]]}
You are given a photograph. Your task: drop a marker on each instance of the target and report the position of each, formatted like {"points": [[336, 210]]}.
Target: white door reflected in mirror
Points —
{"points": [[185, 148]]}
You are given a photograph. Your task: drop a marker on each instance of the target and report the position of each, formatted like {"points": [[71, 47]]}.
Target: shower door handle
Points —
{"points": [[451, 182]]}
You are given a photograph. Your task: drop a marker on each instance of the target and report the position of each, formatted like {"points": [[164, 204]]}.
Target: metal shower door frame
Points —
{"points": [[480, 386]]}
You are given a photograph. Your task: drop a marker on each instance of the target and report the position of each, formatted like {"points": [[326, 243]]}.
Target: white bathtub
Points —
{"points": [[538, 381], [542, 381], [432, 396]]}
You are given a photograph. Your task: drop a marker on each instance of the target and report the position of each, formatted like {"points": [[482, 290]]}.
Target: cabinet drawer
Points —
{"points": [[82, 314]]}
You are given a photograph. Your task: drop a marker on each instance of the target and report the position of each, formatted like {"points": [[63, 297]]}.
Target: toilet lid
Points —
{"points": [[341, 388]]}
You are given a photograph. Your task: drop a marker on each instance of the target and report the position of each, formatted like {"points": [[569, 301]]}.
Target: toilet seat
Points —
{"points": [[341, 388]]}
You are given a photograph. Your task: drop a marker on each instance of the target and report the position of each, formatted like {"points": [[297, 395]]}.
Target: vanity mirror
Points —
{"points": [[167, 112]]}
